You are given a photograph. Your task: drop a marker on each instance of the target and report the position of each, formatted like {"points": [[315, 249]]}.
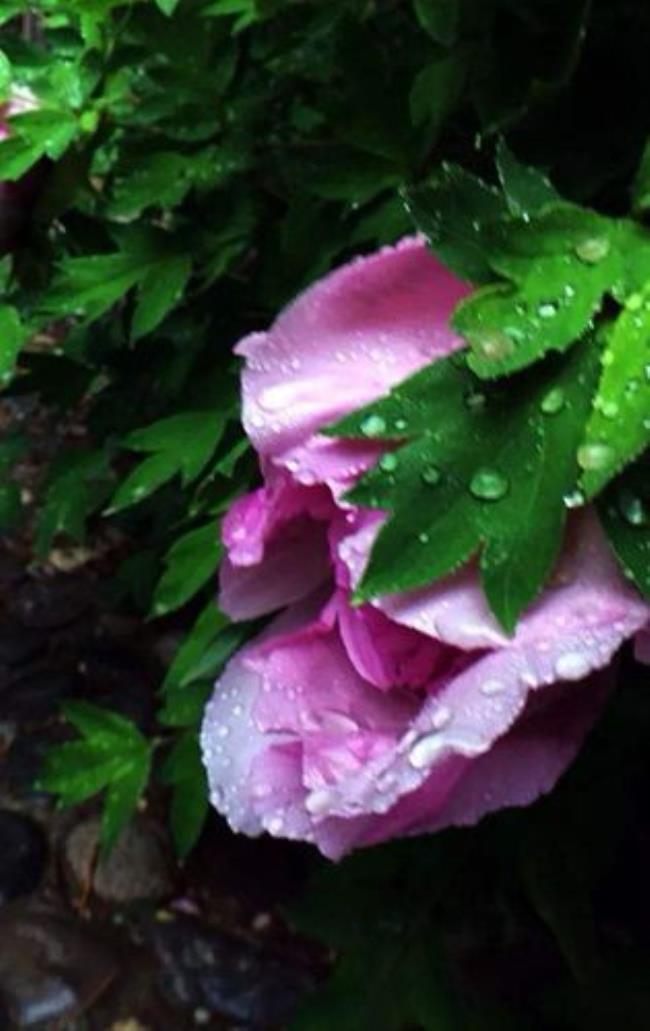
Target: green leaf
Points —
{"points": [[435, 92], [181, 444], [87, 287], [184, 772], [624, 509], [190, 562], [440, 18], [454, 209], [112, 756], [560, 262], [207, 627], [483, 471], [380, 916], [619, 426], [78, 484], [526, 189], [167, 6], [13, 334], [160, 290]]}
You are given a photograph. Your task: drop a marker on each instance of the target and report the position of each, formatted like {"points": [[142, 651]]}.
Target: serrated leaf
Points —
{"points": [[190, 562], [481, 472], [183, 770], [112, 756], [208, 625], [453, 209], [526, 189], [160, 289], [182, 444], [78, 484], [560, 263], [619, 426], [624, 509]]}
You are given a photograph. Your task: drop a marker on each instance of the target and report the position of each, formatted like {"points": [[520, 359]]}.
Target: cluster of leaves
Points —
{"points": [[495, 455]]}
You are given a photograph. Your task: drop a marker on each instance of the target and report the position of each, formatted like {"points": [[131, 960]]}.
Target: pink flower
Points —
{"points": [[345, 726]]}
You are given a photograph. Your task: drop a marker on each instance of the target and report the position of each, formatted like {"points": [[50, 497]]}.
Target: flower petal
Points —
{"points": [[344, 342]]}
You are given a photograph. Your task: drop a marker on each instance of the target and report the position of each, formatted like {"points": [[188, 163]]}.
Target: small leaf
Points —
{"points": [[440, 18], [526, 189], [167, 6], [641, 187], [190, 562], [453, 210], [185, 773], [160, 290]]}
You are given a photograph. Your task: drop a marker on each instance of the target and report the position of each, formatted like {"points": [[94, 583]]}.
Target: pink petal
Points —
{"points": [[344, 342], [276, 540]]}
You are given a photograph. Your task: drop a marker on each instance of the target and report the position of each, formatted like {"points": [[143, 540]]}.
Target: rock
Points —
{"points": [[36, 696], [203, 968], [52, 603], [137, 868], [23, 853], [50, 967]]}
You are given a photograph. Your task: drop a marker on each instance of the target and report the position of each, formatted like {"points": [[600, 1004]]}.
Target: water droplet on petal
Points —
{"points": [[593, 249], [441, 717], [488, 485], [572, 666], [373, 425], [319, 801], [553, 402], [492, 687], [425, 751]]}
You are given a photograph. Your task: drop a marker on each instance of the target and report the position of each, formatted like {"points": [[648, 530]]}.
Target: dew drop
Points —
{"points": [[634, 302], [548, 310], [609, 409], [423, 537], [593, 249], [574, 499], [633, 509], [424, 751], [431, 475], [492, 687], [319, 801], [595, 456], [494, 345], [553, 402], [475, 401], [373, 425], [488, 485], [400, 425], [572, 666], [388, 463], [441, 717]]}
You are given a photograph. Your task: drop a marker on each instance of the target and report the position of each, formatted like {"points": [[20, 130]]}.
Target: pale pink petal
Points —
{"points": [[277, 552], [344, 342]]}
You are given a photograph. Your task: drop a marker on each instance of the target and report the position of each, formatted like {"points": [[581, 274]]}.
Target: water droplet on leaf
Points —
{"points": [[488, 485], [373, 425], [431, 475], [593, 249], [633, 509], [553, 402], [595, 456], [388, 463], [494, 345]]}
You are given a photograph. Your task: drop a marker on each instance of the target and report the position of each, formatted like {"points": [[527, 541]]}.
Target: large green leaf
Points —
{"points": [[483, 471]]}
